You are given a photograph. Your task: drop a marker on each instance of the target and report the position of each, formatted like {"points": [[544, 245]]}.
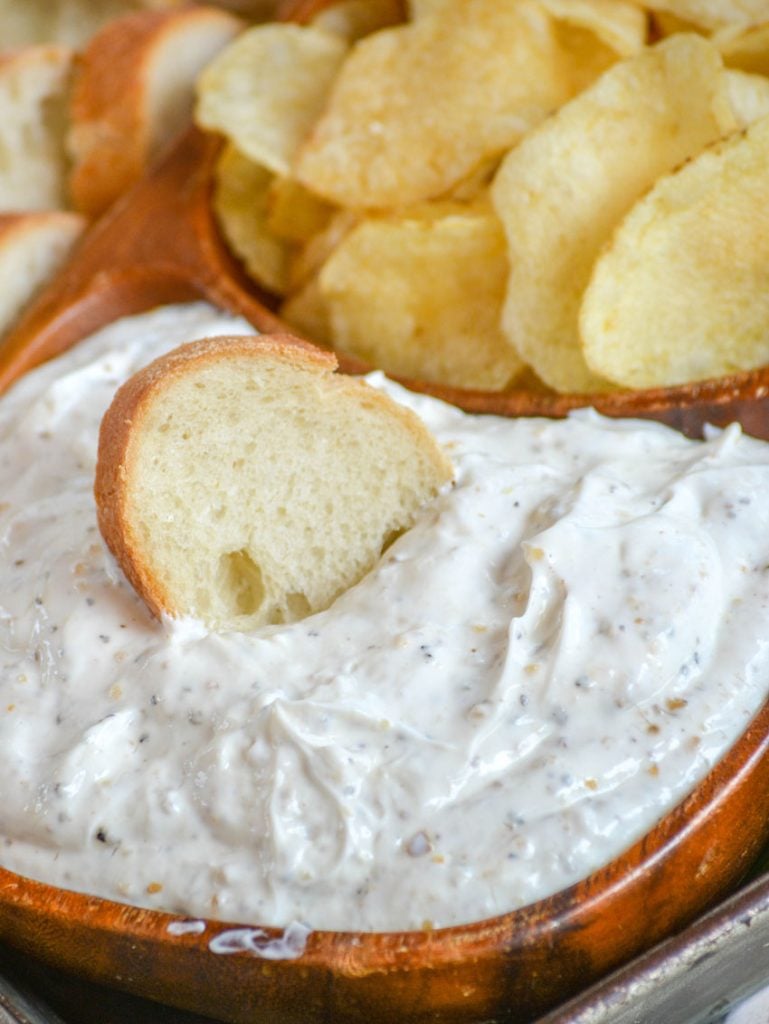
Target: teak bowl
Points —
{"points": [[160, 244]]}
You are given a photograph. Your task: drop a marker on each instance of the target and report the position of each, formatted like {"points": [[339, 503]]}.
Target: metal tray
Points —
{"points": [[696, 977]]}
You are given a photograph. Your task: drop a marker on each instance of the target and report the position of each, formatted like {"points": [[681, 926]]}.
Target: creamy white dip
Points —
{"points": [[548, 661]]}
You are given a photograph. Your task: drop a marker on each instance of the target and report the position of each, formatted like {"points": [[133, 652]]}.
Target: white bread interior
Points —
{"points": [[32, 247], [133, 93], [242, 482], [34, 93]]}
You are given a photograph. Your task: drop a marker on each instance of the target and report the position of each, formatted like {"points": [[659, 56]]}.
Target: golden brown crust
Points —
{"points": [[123, 421], [110, 134]]}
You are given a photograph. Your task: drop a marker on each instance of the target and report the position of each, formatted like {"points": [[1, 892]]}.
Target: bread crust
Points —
{"points": [[124, 419], [123, 423], [52, 233], [110, 135]]}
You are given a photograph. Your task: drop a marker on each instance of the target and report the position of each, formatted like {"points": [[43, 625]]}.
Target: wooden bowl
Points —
{"points": [[160, 244], [508, 968]]}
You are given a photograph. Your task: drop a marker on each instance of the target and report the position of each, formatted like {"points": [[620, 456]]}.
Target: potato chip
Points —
{"points": [[353, 19], [476, 182], [294, 213], [594, 33], [307, 313], [682, 293], [664, 24], [240, 202], [563, 189], [746, 49], [713, 14], [749, 96], [417, 107], [586, 56], [420, 296], [265, 90], [310, 257], [619, 25]]}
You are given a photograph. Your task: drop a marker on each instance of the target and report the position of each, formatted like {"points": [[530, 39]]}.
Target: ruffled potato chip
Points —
{"points": [[713, 14], [420, 295], [618, 24], [746, 49], [417, 107], [594, 34], [749, 96], [353, 19], [477, 181], [310, 257], [307, 313], [563, 189], [294, 213], [265, 91], [682, 293], [241, 205], [586, 55], [664, 24]]}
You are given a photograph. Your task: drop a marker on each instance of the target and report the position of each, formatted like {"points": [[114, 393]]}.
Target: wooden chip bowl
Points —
{"points": [[159, 244]]}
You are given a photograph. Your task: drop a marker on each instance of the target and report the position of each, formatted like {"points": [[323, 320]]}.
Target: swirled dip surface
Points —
{"points": [[560, 648]]}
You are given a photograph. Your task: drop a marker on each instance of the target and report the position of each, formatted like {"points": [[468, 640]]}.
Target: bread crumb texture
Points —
{"points": [[242, 482]]}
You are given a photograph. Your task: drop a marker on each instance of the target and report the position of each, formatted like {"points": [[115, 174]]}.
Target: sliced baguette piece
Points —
{"points": [[75, 22], [32, 247], [34, 92], [240, 481], [133, 91], [69, 22]]}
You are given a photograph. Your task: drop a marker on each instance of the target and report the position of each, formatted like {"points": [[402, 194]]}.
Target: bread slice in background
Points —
{"points": [[242, 482], [34, 94], [32, 247], [73, 22], [133, 92], [69, 22]]}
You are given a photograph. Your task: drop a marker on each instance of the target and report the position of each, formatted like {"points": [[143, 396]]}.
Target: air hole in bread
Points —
{"points": [[241, 587], [391, 538], [275, 506], [298, 606]]}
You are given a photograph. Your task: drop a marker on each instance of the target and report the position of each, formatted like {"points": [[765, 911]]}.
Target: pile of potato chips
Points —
{"points": [[496, 189]]}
